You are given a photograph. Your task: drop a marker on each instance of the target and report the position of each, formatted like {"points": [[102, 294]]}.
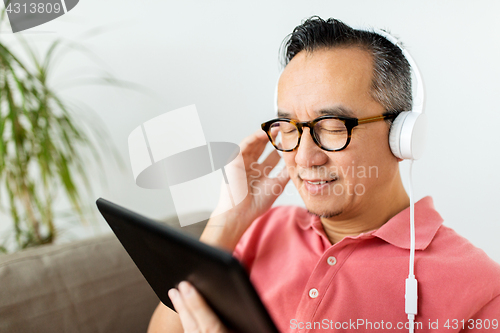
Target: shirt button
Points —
{"points": [[331, 261], [313, 293]]}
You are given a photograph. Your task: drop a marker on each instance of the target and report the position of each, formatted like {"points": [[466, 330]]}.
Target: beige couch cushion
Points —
{"points": [[85, 286]]}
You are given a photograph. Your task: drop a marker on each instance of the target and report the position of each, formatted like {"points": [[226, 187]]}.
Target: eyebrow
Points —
{"points": [[333, 111]]}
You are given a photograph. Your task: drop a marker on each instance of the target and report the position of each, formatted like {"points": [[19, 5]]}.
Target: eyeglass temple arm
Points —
{"points": [[373, 119]]}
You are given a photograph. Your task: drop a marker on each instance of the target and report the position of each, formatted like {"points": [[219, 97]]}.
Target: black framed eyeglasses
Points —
{"points": [[330, 133]]}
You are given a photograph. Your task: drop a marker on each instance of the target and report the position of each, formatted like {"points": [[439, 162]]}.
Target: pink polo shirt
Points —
{"points": [[357, 284]]}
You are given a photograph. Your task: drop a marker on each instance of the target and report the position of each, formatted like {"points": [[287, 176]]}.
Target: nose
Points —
{"points": [[308, 153]]}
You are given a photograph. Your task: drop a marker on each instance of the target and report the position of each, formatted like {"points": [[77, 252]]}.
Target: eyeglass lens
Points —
{"points": [[330, 133]]}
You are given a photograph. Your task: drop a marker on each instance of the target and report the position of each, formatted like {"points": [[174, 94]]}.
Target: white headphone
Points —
{"points": [[408, 130], [406, 139]]}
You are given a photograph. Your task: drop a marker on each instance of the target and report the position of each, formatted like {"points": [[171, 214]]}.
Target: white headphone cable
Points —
{"points": [[411, 282]]}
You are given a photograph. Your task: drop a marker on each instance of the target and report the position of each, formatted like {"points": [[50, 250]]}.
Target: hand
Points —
{"points": [[196, 316], [224, 230]]}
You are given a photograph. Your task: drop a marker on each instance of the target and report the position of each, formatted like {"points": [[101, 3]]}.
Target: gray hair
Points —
{"points": [[391, 84]]}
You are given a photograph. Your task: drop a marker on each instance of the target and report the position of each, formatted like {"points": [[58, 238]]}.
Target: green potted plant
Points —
{"points": [[42, 146]]}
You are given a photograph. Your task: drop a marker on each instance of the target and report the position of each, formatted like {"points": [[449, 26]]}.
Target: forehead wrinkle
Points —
{"points": [[339, 111]]}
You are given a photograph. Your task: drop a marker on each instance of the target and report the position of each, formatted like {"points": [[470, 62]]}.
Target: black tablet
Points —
{"points": [[166, 257]]}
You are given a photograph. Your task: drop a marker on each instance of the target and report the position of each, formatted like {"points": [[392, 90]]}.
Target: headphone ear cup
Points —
{"points": [[407, 135], [395, 134]]}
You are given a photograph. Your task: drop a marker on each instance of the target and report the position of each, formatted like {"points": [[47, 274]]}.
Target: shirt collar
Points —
{"points": [[396, 231], [427, 222]]}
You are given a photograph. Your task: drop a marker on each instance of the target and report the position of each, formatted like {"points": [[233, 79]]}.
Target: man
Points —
{"points": [[341, 264]]}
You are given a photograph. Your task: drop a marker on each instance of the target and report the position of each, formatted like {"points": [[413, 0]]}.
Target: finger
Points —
{"points": [[255, 137], [253, 145], [188, 321], [270, 162], [207, 320]]}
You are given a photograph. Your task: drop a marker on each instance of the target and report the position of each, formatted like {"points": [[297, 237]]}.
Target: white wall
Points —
{"points": [[222, 56]]}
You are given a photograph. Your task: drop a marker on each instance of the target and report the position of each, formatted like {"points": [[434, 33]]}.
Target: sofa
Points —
{"points": [[89, 285]]}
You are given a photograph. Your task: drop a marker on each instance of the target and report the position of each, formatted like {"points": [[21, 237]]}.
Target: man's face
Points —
{"points": [[337, 81]]}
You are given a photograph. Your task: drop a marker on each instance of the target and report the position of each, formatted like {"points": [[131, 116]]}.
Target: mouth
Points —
{"points": [[318, 182], [318, 186]]}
